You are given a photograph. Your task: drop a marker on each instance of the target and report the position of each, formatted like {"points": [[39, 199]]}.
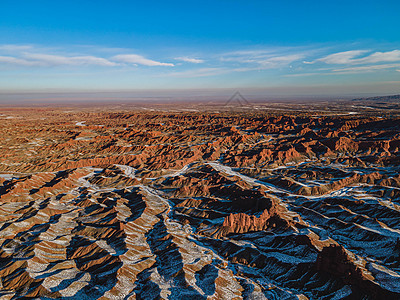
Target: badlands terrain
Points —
{"points": [[286, 201]]}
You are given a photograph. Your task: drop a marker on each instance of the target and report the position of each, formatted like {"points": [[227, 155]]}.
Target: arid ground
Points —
{"points": [[277, 201]]}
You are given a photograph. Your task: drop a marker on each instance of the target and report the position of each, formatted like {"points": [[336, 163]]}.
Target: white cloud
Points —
{"points": [[25, 55], [266, 59], [54, 60], [202, 72], [17, 61], [346, 57], [366, 68], [261, 52], [349, 70], [389, 56], [190, 60], [138, 59], [206, 72], [12, 48], [304, 74], [281, 60], [272, 61], [350, 57]]}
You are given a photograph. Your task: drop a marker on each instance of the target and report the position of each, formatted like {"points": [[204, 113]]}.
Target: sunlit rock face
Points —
{"points": [[177, 205]]}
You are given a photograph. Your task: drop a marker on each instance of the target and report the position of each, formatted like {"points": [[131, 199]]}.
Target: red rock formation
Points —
{"points": [[160, 204], [242, 222], [239, 223]]}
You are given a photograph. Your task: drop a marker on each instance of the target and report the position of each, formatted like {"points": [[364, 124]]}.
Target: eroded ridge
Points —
{"points": [[198, 206]]}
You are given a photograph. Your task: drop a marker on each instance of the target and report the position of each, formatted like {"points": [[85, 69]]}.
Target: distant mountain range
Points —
{"points": [[392, 98]]}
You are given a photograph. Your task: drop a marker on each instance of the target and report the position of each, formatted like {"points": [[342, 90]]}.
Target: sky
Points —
{"points": [[286, 47]]}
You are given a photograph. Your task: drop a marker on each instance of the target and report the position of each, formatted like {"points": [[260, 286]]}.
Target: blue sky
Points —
{"points": [[309, 47]]}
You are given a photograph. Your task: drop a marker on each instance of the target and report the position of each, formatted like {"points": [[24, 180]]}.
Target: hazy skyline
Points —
{"points": [[309, 47]]}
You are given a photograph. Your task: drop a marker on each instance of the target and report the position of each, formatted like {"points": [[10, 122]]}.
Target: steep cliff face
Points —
{"points": [[242, 222]]}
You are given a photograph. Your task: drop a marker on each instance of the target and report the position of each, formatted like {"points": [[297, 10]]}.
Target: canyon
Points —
{"points": [[114, 203]]}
